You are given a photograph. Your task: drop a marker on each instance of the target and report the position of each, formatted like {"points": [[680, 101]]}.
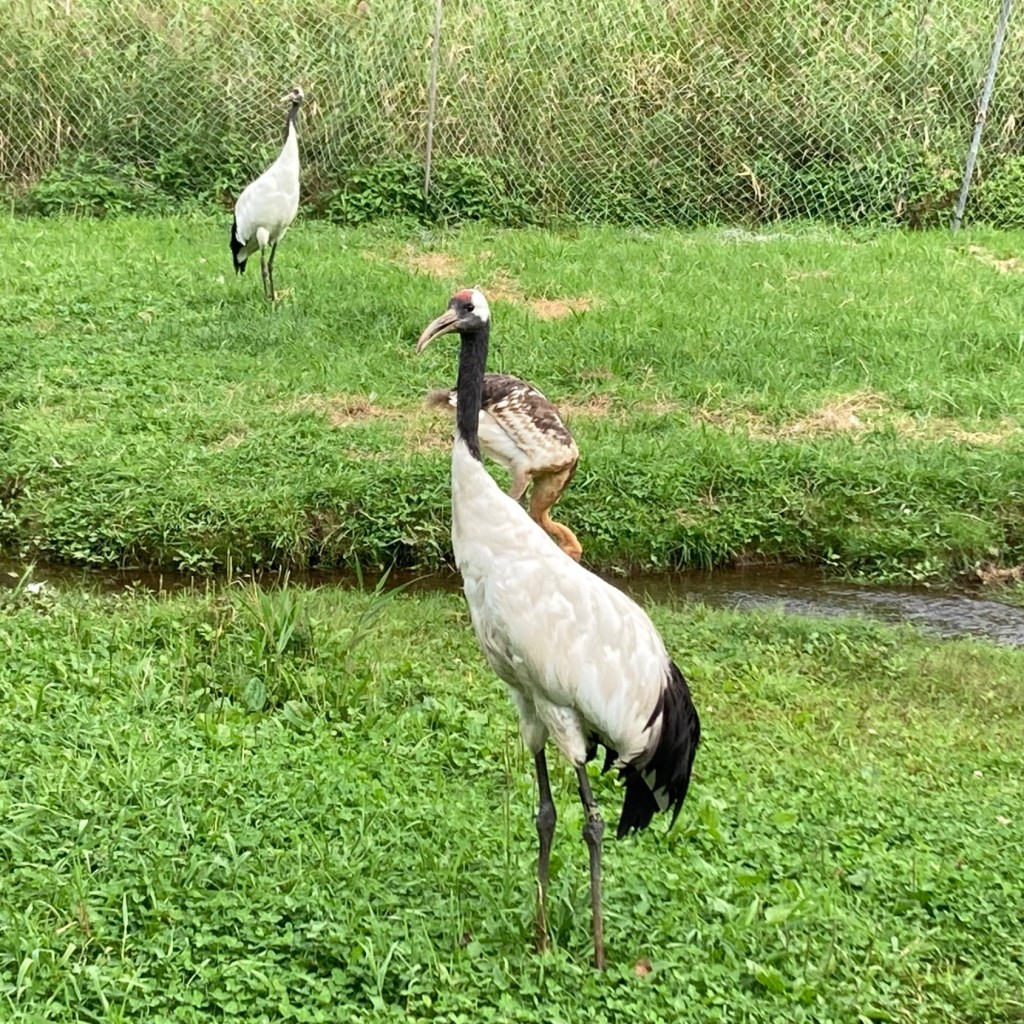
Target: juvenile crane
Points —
{"points": [[522, 431], [268, 205], [582, 662]]}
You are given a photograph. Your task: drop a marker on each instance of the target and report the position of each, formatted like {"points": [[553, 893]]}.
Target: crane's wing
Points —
{"points": [[272, 200], [548, 626]]}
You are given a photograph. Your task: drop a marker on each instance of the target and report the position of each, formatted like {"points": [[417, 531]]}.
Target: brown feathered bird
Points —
{"points": [[522, 431]]}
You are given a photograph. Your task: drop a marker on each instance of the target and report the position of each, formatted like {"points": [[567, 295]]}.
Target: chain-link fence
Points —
{"points": [[646, 111]]}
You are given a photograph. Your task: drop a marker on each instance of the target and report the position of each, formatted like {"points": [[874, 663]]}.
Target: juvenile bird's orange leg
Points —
{"points": [[592, 834], [520, 481], [564, 537], [546, 491]]}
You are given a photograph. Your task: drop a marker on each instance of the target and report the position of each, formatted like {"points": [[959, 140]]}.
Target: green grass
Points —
{"points": [[313, 806], [154, 411]]}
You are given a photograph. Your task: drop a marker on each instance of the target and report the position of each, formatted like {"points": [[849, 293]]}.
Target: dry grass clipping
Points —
{"points": [[1013, 265], [855, 413], [340, 410]]}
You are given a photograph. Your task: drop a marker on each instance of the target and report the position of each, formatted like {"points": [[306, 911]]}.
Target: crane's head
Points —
{"points": [[467, 310], [296, 96]]}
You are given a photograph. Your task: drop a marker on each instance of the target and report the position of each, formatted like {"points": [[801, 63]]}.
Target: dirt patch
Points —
{"points": [[497, 287], [426, 435], [843, 413], [341, 410], [502, 288], [945, 428], [1012, 265], [840, 414], [555, 309], [434, 264], [597, 407], [857, 412]]}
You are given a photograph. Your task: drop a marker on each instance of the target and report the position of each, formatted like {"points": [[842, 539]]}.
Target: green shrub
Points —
{"points": [[461, 189], [998, 197], [94, 186]]}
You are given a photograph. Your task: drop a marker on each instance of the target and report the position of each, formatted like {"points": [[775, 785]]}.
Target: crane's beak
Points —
{"points": [[442, 325]]}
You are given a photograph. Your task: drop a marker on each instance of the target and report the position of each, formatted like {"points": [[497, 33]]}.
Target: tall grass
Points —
{"points": [[682, 112]]}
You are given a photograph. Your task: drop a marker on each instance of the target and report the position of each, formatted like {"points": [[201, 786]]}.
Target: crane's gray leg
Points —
{"points": [[546, 818], [270, 272], [592, 833], [265, 272]]}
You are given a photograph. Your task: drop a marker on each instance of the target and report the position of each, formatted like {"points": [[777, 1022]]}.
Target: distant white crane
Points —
{"points": [[523, 432], [583, 663], [268, 205]]}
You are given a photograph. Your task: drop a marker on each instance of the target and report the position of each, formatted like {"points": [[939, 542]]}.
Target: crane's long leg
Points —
{"points": [[265, 273], [270, 272], [546, 817], [592, 833]]}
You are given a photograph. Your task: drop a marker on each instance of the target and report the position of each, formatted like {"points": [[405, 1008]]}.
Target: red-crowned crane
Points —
{"points": [[522, 431], [268, 205], [583, 663]]}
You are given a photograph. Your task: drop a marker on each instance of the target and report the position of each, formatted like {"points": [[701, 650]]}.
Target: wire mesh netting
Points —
{"points": [[653, 111]]}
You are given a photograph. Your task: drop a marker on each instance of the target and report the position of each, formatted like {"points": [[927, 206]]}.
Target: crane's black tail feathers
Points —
{"points": [[662, 780], [236, 248]]}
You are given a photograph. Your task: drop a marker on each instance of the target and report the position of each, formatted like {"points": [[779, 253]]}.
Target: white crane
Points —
{"points": [[268, 205], [523, 432], [583, 663]]}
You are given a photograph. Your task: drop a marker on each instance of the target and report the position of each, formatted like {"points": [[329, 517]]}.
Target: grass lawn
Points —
{"points": [[313, 806], [846, 399]]}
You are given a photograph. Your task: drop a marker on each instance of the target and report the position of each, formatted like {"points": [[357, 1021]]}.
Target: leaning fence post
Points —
{"points": [[979, 121], [435, 51]]}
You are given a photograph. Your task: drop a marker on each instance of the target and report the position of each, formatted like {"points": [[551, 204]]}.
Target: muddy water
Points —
{"points": [[946, 612]]}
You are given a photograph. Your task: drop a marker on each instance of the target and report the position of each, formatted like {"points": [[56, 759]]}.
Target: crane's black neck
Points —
{"points": [[470, 386], [290, 120]]}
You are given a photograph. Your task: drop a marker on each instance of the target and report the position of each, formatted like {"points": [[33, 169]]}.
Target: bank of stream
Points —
{"points": [[943, 611]]}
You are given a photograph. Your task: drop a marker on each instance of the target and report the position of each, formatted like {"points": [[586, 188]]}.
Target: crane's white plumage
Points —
{"points": [[523, 432], [582, 660], [266, 208], [584, 664]]}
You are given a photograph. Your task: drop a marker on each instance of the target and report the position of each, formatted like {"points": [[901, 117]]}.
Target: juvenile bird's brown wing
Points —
{"points": [[530, 420]]}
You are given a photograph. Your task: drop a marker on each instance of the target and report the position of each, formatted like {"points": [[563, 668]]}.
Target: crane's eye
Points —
{"points": [[469, 307]]}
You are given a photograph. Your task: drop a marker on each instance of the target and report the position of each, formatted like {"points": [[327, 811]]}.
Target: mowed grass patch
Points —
{"points": [[313, 805], [850, 399]]}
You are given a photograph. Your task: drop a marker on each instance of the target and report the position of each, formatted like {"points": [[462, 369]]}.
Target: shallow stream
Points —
{"points": [[946, 611]]}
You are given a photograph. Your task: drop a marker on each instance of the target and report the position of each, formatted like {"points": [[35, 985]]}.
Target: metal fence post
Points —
{"points": [[435, 51], [979, 121]]}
